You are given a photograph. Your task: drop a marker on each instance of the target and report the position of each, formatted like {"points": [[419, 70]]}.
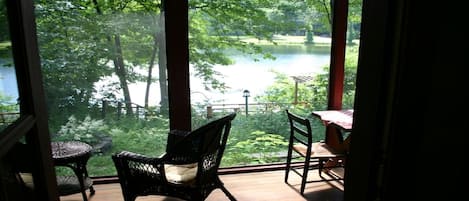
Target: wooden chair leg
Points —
{"points": [[305, 175], [320, 167], [287, 168]]}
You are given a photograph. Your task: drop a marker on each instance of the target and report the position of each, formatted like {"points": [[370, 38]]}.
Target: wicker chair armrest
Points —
{"points": [[138, 158], [176, 132]]}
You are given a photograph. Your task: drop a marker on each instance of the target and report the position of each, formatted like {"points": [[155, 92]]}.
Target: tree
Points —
{"points": [[4, 31], [216, 26], [101, 30], [211, 33], [105, 37], [354, 19], [95, 37], [137, 32], [71, 57], [5, 42]]}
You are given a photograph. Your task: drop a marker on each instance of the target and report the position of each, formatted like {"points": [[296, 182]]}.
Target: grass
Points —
{"points": [[288, 40], [5, 49], [5, 45]]}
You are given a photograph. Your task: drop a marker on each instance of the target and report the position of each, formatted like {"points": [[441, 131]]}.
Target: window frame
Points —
{"points": [[32, 126]]}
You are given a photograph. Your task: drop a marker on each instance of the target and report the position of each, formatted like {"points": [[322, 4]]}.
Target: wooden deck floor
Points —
{"points": [[259, 186]]}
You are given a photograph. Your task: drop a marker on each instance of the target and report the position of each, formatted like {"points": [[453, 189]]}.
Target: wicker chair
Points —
{"points": [[188, 170]]}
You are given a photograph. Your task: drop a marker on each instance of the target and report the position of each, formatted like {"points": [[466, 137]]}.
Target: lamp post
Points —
{"points": [[246, 94]]}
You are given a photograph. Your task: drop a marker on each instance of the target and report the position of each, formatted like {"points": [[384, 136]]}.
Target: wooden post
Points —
{"points": [[209, 112], [336, 71], [103, 109], [119, 108], [137, 109], [296, 92], [177, 54]]}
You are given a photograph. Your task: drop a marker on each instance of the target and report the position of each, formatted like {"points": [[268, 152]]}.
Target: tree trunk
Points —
{"points": [[119, 67], [164, 103], [150, 69]]}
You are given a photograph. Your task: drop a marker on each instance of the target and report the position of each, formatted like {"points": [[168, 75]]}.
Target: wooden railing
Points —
{"points": [[249, 108], [118, 108]]}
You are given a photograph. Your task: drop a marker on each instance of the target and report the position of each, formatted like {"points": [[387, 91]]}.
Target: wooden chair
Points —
{"points": [[188, 170], [315, 154]]}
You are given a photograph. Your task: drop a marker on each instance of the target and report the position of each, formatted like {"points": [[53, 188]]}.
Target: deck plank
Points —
{"points": [[258, 186]]}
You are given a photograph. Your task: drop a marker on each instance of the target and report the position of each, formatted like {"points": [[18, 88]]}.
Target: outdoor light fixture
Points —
{"points": [[246, 94]]}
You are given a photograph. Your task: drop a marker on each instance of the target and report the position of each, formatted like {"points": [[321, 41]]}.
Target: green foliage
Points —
{"points": [[257, 139], [79, 36], [269, 121], [140, 136], [87, 130], [313, 93], [137, 135], [351, 63], [4, 26], [290, 17], [321, 15], [217, 26], [259, 148], [72, 48], [7, 104], [6, 52], [9, 110]]}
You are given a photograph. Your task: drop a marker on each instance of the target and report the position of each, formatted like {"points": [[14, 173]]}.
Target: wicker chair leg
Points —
{"points": [[227, 193]]}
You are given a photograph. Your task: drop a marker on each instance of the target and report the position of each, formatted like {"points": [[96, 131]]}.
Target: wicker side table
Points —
{"points": [[75, 155]]}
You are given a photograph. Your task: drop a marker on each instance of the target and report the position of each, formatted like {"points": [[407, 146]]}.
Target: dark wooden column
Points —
{"points": [[33, 122], [336, 72], [177, 53]]}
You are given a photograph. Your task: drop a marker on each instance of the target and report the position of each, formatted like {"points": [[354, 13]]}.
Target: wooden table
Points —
{"points": [[342, 118], [75, 155], [338, 125]]}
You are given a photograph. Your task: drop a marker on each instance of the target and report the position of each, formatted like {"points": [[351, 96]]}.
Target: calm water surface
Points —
{"points": [[245, 73]]}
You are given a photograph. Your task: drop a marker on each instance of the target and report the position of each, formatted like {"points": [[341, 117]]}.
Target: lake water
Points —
{"points": [[245, 73], [257, 76], [8, 85]]}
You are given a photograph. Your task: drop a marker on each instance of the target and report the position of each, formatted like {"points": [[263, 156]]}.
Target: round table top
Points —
{"points": [[69, 149]]}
